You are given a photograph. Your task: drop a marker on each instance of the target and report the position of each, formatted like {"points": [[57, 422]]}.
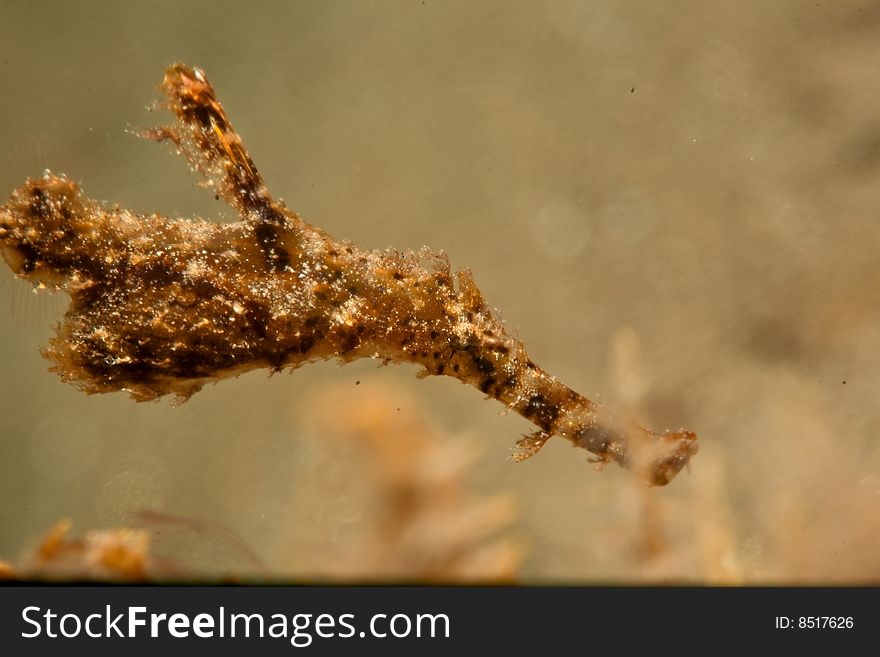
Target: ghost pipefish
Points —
{"points": [[162, 306]]}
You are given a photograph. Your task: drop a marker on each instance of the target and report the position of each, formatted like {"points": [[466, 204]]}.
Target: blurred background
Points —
{"points": [[675, 207]]}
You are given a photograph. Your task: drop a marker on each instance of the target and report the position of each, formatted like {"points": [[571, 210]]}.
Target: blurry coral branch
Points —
{"points": [[427, 527], [110, 554], [162, 306], [709, 533]]}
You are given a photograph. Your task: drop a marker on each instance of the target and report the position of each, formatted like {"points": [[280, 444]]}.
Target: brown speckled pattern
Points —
{"points": [[163, 306]]}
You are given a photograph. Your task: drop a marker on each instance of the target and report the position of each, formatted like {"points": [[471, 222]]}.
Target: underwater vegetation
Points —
{"points": [[163, 306]]}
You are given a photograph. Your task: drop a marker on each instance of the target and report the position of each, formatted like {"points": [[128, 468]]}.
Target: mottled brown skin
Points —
{"points": [[163, 306]]}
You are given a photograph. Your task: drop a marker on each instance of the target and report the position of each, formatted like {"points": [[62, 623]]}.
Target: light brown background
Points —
{"points": [[700, 179]]}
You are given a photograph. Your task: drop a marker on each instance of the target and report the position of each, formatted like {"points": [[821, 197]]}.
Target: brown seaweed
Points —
{"points": [[162, 306]]}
